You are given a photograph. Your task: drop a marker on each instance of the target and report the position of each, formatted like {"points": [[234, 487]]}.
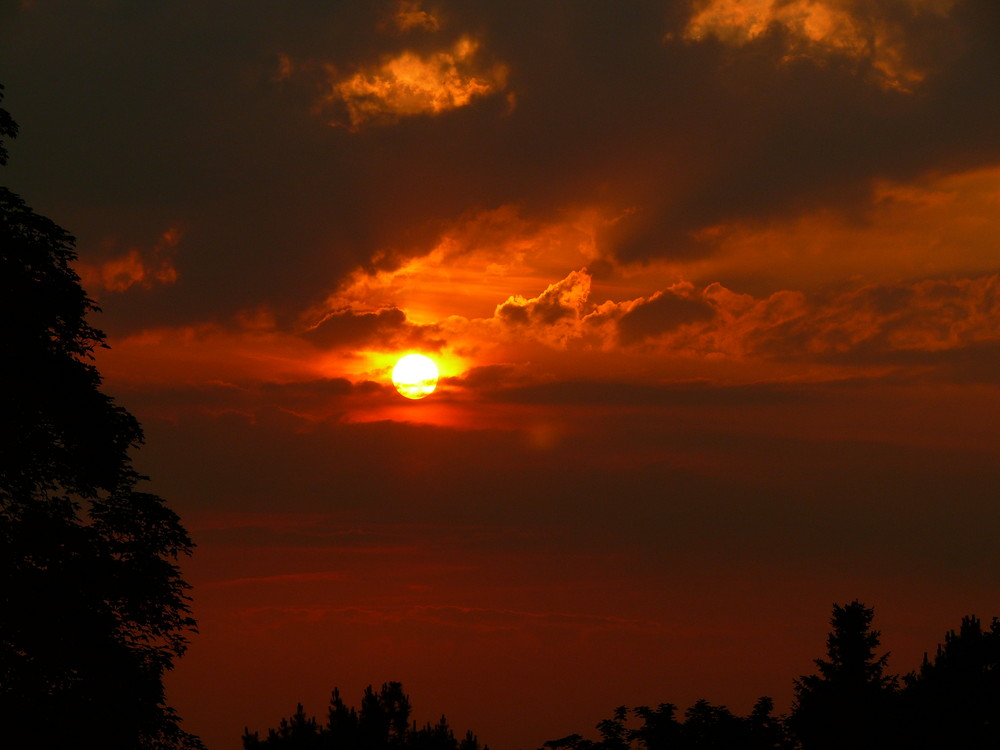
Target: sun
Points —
{"points": [[415, 376]]}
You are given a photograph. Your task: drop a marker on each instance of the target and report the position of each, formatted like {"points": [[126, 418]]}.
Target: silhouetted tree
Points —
{"points": [[342, 722], [954, 700], [764, 730], [614, 735], [660, 729], [850, 701], [438, 736], [382, 722], [384, 717], [93, 609], [705, 727]]}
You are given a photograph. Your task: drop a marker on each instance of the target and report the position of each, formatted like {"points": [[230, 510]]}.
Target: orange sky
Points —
{"points": [[713, 286]]}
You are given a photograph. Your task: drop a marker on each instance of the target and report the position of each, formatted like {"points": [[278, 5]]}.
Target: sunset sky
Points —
{"points": [[713, 286]]}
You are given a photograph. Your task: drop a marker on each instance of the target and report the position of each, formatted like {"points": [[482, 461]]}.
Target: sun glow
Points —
{"points": [[415, 376]]}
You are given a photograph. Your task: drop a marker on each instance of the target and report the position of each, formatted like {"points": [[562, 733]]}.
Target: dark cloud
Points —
{"points": [[622, 394], [185, 118], [975, 363], [664, 311], [930, 320], [561, 302], [384, 329], [320, 396], [487, 377]]}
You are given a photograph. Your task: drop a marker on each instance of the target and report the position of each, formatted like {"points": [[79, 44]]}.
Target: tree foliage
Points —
{"points": [[704, 727], [382, 723], [846, 703], [952, 701], [93, 609]]}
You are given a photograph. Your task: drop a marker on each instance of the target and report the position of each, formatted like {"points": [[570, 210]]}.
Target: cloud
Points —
{"points": [[135, 268], [859, 324], [409, 84], [480, 257], [554, 315], [869, 35], [409, 15], [488, 377], [875, 321], [620, 111], [387, 328], [694, 394], [481, 620], [864, 325], [679, 317], [662, 312]]}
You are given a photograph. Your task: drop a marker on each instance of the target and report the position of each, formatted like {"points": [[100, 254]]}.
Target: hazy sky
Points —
{"points": [[714, 286]]}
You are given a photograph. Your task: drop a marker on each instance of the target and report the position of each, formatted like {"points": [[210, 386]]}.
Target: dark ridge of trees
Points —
{"points": [[952, 701], [93, 609], [382, 723]]}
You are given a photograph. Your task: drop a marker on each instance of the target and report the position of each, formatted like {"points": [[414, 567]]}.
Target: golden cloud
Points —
{"points": [[870, 323], [557, 310], [484, 256], [409, 84], [819, 27]]}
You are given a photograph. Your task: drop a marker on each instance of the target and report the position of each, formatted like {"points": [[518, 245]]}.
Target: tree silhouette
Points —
{"points": [[384, 717], [848, 703], [660, 728], [705, 727], [764, 730], [382, 722], [93, 609], [954, 700], [951, 702]]}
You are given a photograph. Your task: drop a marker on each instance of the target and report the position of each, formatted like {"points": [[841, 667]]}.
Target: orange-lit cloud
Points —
{"points": [[864, 324], [821, 27], [409, 84], [867, 324], [554, 314], [409, 15], [136, 268], [480, 259], [923, 228], [493, 301], [385, 329]]}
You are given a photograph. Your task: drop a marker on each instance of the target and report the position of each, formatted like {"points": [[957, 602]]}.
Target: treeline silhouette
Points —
{"points": [[849, 703], [382, 723]]}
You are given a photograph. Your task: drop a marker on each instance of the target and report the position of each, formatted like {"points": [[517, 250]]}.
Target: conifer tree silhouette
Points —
{"points": [[381, 723], [848, 703]]}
